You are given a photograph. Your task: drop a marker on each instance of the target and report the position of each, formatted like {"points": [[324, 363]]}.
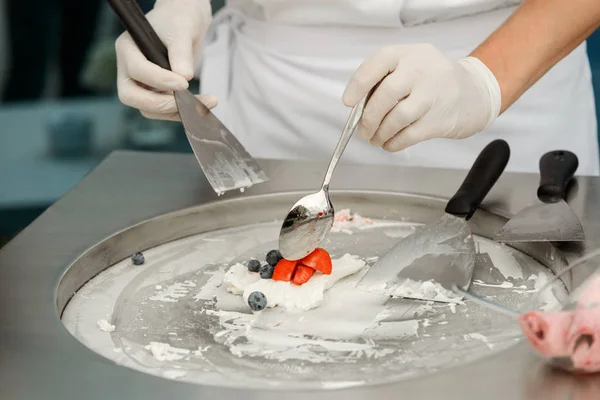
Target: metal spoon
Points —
{"points": [[311, 218]]}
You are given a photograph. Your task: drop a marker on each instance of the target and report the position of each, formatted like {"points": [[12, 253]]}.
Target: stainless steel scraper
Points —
{"points": [[225, 162], [427, 264], [550, 218]]}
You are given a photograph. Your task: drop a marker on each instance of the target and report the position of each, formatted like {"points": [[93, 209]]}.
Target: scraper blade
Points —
{"points": [[430, 262], [225, 162], [542, 222], [549, 218]]}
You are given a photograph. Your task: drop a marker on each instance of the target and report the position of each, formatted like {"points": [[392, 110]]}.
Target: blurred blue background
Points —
{"points": [[59, 116]]}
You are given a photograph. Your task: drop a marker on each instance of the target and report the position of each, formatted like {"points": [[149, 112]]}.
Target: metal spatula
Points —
{"points": [[549, 218], [428, 263], [225, 162]]}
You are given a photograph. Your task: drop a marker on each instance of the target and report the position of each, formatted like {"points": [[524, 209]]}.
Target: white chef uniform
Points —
{"points": [[279, 68]]}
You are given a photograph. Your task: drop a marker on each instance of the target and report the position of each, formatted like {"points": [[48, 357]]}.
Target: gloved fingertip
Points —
{"points": [[209, 100], [349, 97], [187, 72], [394, 146], [179, 84], [148, 115], [183, 68], [375, 143], [362, 133], [188, 75]]}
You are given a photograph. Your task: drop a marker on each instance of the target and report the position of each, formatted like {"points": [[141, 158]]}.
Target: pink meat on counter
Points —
{"points": [[547, 332]]}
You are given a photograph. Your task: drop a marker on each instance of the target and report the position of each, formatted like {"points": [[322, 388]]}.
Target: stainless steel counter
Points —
{"points": [[40, 359]]}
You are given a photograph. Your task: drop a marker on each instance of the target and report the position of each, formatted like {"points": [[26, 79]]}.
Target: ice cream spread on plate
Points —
{"points": [[344, 221], [174, 315], [294, 298], [295, 285]]}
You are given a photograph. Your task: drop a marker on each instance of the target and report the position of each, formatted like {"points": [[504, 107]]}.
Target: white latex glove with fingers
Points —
{"points": [[181, 25], [422, 95]]}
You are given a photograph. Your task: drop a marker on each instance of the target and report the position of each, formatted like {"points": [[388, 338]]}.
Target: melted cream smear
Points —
{"points": [[174, 316]]}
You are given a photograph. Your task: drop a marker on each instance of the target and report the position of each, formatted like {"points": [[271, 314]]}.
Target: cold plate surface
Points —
{"points": [[173, 316], [60, 252]]}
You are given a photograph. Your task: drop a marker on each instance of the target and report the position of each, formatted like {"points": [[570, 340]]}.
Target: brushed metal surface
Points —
{"points": [[225, 162], [538, 222], [39, 359], [141, 314], [443, 251]]}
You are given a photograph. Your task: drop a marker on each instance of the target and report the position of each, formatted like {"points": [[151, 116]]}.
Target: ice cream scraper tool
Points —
{"points": [[427, 264], [550, 218], [311, 218], [225, 162]]}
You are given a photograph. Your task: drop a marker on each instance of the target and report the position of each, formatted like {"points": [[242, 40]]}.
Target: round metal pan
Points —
{"points": [[456, 333]]}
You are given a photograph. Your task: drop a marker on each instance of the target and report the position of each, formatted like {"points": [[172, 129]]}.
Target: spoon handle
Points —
{"points": [[351, 124]]}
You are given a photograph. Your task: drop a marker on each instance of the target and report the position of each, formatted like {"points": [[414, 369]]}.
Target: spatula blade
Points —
{"points": [[415, 282], [542, 222], [430, 263], [225, 162], [434, 257]]}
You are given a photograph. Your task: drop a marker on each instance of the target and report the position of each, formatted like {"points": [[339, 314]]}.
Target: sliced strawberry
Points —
{"points": [[302, 274], [284, 270], [318, 260]]}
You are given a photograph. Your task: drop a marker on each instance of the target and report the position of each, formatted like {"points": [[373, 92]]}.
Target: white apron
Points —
{"points": [[280, 84]]}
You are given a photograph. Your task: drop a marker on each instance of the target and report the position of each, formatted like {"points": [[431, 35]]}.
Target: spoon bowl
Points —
{"points": [[306, 225], [310, 220]]}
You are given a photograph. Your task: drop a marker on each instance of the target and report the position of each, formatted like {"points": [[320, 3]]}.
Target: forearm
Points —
{"points": [[537, 36]]}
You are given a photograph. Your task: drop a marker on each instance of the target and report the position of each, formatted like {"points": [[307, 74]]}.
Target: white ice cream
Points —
{"points": [[345, 221], [164, 352], [424, 290], [105, 326], [292, 297]]}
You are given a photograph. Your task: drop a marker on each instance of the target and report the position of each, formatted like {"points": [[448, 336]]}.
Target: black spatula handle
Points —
{"points": [[557, 168], [484, 173], [133, 19]]}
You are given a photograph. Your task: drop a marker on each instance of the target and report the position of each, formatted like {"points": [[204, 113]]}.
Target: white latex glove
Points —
{"points": [[181, 25], [424, 95]]}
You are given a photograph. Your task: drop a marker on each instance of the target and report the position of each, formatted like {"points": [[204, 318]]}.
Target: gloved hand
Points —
{"points": [[181, 25], [423, 95]]}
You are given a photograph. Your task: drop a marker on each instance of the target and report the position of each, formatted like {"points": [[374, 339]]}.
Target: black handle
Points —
{"points": [[133, 19], [556, 171], [484, 173]]}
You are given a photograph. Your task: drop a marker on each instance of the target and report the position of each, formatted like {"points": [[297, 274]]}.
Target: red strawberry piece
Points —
{"points": [[284, 270], [302, 275], [319, 260]]}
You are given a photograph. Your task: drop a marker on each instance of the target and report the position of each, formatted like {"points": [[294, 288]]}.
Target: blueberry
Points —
{"points": [[257, 301], [273, 257], [253, 265], [266, 271], [138, 259]]}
